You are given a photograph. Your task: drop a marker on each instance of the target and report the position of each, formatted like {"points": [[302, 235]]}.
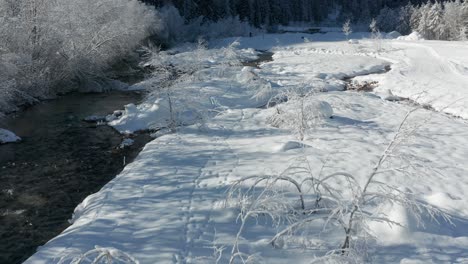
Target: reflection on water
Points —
{"points": [[60, 161]]}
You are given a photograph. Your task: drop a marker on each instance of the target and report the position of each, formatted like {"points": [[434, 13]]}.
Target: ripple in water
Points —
{"points": [[60, 161]]}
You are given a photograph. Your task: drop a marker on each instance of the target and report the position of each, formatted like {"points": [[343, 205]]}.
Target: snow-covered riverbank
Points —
{"points": [[168, 206]]}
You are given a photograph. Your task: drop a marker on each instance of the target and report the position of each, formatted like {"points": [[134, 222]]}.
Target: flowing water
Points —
{"points": [[263, 56], [60, 161]]}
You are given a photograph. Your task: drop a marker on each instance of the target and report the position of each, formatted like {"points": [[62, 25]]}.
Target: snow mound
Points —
{"points": [[353, 41], [323, 109], [148, 115], [126, 143], [392, 234], [389, 96], [412, 36], [247, 75], [7, 136], [393, 35], [290, 145], [445, 200]]}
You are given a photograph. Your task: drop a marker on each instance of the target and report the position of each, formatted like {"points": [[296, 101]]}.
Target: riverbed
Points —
{"points": [[60, 161]]}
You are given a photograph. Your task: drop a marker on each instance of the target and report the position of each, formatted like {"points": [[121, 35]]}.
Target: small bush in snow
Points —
{"points": [[230, 57], [376, 35], [347, 30], [175, 79], [49, 45], [301, 113], [337, 201], [100, 255]]}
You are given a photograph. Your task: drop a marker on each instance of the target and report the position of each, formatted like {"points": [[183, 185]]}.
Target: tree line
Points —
{"points": [[49, 46], [441, 20], [272, 12]]}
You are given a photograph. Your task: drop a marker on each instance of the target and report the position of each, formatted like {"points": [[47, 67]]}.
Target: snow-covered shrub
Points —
{"points": [[230, 57], [100, 255], [174, 98], [376, 35], [301, 113], [54, 45], [338, 204], [101, 33], [172, 26], [347, 30], [177, 29], [261, 87]]}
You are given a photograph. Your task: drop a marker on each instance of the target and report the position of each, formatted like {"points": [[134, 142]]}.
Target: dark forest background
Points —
{"points": [[270, 12]]}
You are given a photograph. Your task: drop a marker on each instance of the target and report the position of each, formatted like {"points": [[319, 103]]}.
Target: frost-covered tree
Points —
{"points": [[463, 34], [404, 19], [436, 25], [387, 20], [376, 35], [373, 26], [443, 21], [172, 24], [47, 44], [347, 30], [422, 22], [340, 202], [453, 20]]}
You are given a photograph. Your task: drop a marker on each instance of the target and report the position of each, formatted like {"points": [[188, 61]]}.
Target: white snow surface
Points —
{"points": [[7, 136], [167, 206], [413, 36], [432, 73], [393, 35]]}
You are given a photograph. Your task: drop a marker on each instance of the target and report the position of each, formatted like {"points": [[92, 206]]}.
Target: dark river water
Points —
{"points": [[60, 161]]}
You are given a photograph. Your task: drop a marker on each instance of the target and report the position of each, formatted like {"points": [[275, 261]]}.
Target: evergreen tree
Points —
{"points": [[436, 22], [390, 14], [404, 19], [387, 20], [421, 19]]}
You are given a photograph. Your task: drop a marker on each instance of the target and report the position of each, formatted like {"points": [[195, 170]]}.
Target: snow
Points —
{"points": [[393, 35], [319, 68], [141, 117], [322, 109], [7, 136], [274, 41], [168, 205], [127, 142], [412, 37], [430, 73]]}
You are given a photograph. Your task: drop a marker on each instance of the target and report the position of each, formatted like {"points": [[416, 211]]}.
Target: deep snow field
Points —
{"points": [[171, 204]]}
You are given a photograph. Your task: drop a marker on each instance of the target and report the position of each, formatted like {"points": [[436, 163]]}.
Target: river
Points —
{"points": [[60, 161]]}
